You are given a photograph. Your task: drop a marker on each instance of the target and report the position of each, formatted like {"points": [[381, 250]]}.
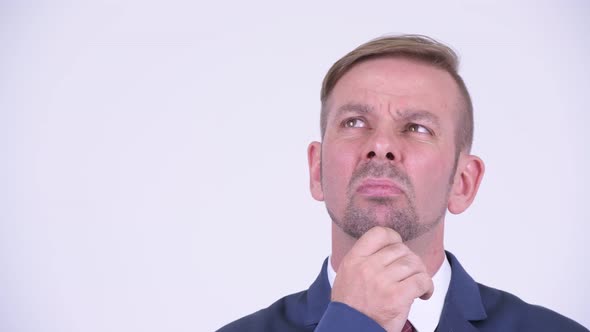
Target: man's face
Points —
{"points": [[388, 155]]}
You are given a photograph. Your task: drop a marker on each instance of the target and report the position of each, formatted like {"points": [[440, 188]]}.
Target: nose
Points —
{"points": [[388, 155], [382, 145]]}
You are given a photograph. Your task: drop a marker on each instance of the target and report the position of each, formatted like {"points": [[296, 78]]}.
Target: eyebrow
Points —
{"points": [[412, 115], [408, 115], [355, 108]]}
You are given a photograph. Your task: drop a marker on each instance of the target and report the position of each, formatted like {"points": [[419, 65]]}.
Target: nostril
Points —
{"points": [[371, 154], [390, 156]]}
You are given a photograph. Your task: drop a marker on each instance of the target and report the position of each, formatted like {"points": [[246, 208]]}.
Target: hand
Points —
{"points": [[380, 277]]}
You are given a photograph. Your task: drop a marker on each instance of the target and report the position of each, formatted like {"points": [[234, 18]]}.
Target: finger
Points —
{"points": [[390, 253], [373, 240], [416, 286], [403, 268]]}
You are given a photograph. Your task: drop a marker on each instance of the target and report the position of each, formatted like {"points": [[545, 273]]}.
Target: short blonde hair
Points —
{"points": [[414, 47]]}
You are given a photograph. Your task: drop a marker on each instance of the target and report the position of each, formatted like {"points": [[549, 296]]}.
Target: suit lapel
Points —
{"points": [[452, 321], [463, 302], [318, 297]]}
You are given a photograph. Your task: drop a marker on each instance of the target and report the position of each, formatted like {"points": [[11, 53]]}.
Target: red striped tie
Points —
{"points": [[408, 327]]}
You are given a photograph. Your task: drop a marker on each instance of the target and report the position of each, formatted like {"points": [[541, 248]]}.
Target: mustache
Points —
{"points": [[381, 170]]}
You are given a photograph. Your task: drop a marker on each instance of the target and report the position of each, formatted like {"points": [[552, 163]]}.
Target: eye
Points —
{"points": [[416, 128], [354, 123]]}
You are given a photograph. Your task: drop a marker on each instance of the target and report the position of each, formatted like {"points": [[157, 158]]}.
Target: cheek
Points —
{"points": [[430, 174], [337, 168]]}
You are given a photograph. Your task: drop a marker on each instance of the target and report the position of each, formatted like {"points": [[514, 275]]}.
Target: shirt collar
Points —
{"points": [[424, 314]]}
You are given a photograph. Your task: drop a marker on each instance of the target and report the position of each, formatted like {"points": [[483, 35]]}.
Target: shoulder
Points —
{"points": [[286, 314], [506, 311]]}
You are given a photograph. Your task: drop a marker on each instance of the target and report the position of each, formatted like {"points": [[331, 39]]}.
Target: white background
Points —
{"points": [[153, 172]]}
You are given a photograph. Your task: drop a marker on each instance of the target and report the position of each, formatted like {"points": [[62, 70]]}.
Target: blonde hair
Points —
{"points": [[414, 47]]}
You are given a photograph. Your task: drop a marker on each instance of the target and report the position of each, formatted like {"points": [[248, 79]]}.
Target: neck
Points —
{"points": [[429, 247]]}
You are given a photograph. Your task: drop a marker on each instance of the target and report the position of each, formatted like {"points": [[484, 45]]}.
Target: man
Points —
{"points": [[397, 128]]}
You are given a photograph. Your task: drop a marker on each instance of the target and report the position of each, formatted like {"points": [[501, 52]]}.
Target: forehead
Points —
{"points": [[397, 83]]}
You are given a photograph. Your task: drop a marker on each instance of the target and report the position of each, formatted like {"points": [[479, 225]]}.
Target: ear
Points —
{"points": [[468, 176], [314, 159]]}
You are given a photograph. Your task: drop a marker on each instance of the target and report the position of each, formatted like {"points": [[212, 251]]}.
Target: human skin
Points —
{"points": [[404, 113]]}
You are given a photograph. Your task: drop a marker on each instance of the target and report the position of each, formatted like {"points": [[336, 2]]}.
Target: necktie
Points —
{"points": [[408, 327]]}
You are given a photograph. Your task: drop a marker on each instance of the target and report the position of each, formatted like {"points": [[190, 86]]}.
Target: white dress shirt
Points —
{"points": [[424, 314]]}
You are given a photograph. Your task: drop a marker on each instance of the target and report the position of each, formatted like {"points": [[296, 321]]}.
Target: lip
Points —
{"points": [[379, 188]]}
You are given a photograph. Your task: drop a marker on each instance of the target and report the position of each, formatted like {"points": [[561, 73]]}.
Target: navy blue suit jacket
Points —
{"points": [[469, 306]]}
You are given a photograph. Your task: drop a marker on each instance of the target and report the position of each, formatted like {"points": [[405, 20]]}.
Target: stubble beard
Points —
{"points": [[402, 218]]}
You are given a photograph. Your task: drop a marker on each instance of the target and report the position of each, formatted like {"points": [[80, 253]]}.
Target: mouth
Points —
{"points": [[379, 188]]}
